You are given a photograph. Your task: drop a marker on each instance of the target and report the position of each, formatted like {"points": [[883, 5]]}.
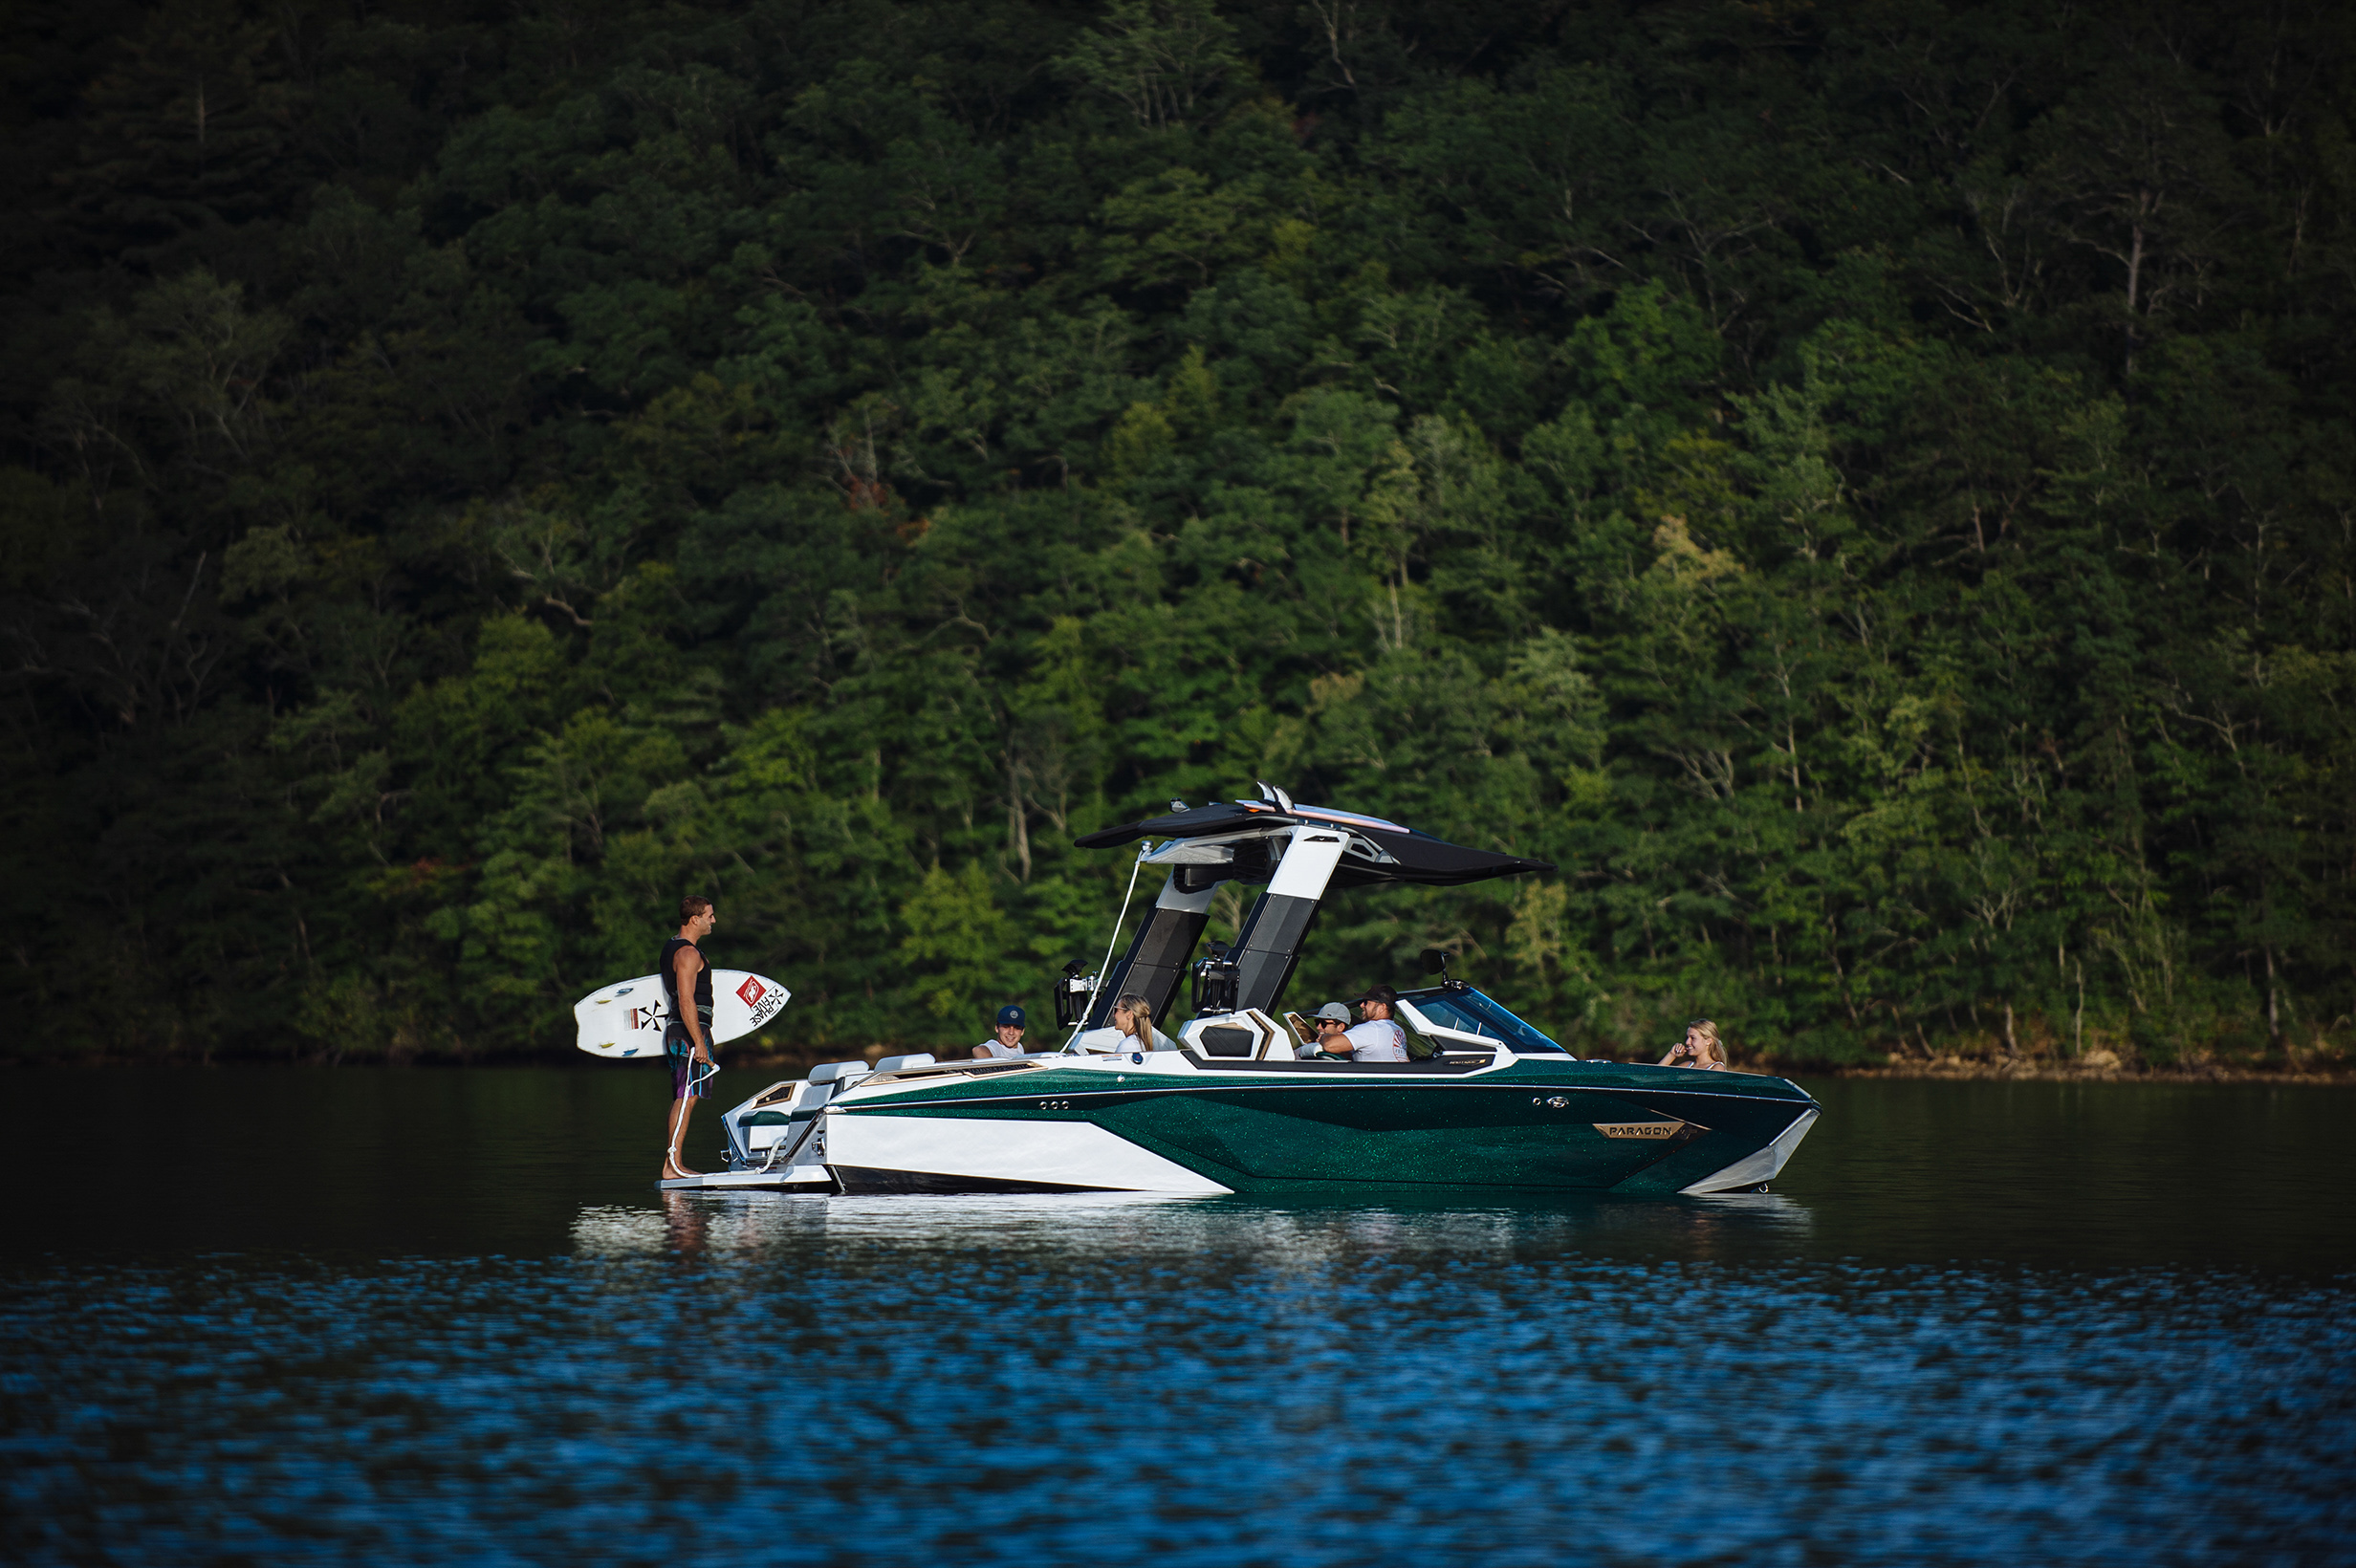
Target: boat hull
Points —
{"points": [[1188, 1125], [965, 1152]]}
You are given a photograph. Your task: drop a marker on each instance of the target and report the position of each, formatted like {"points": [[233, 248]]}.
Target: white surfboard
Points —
{"points": [[627, 1019]]}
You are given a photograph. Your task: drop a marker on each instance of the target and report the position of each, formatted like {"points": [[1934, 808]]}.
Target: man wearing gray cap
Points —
{"points": [[1333, 1043]]}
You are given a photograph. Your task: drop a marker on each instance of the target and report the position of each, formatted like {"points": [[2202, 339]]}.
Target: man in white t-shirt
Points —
{"points": [[1006, 1041], [1378, 1038]]}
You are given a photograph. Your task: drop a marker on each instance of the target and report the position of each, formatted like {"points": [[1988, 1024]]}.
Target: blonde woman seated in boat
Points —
{"points": [[1699, 1049], [1131, 1030]]}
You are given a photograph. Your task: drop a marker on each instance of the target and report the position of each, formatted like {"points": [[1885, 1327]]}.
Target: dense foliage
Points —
{"points": [[1866, 486]]}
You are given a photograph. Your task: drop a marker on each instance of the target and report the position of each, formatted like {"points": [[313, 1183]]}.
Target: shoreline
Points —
{"points": [[2048, 1071], [1944, 1069]]}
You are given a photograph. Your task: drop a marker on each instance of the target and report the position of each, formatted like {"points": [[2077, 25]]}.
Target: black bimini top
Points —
{"points": [[1379, 851]]}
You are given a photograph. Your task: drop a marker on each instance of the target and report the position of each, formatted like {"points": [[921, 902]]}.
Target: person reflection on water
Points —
{"points": [[686, 1042], [1699, 1049], [683, 1223]]}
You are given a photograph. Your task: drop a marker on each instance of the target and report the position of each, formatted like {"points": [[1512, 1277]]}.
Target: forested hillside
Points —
{"points": [[1866, 488]]}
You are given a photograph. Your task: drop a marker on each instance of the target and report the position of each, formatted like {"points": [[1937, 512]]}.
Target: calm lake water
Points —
{"points": [[379, 1317]]}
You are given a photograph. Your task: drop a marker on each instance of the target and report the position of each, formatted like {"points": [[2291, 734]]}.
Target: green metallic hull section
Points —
{"points": [[1530, 1126]]}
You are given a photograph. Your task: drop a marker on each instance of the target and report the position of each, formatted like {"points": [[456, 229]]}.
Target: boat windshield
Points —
{"points": [[1473, 1013]]}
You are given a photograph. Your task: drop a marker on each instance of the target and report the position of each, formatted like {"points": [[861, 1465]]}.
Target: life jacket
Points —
{"points": [[676, 1041]]}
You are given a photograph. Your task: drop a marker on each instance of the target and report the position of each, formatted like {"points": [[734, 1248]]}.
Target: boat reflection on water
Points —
{"points": [[759, 1222], [1299, 1232]]}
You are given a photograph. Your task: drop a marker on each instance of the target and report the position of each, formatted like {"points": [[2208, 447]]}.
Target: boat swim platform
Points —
{"points": [[796, 1179]]}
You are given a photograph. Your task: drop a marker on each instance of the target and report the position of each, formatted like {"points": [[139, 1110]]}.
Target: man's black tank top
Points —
{"points": [[678, 1031]]}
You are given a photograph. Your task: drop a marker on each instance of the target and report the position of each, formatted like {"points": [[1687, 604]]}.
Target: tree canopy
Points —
{"points": [[1864, 487]]}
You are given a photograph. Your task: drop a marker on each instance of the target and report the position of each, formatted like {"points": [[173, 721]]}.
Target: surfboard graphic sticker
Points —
{"points": [[761, 999], [627, 1018]]}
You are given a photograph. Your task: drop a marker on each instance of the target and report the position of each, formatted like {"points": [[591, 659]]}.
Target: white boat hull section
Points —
{"points": [[1753, 1169], [1072, 1154]]}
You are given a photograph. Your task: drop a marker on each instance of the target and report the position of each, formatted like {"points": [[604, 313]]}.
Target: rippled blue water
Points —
{"points": [[1976, 1324]]}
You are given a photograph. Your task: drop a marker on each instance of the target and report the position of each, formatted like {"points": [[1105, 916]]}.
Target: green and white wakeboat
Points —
{"points": [[1230, 1109]]}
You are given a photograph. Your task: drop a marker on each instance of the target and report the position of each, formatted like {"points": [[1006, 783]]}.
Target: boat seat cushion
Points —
{"points": [[828, 1072]]}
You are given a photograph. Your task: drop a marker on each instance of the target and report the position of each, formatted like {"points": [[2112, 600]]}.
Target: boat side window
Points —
{"points": [[1477, 1014]]}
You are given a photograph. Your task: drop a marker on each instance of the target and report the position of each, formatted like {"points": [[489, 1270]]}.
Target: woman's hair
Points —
{"points": [[1708, 1032], [1139, 1011]]}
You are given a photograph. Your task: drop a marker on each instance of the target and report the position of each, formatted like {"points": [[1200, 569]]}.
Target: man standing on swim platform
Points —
{"points": [[687, 1043]]}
